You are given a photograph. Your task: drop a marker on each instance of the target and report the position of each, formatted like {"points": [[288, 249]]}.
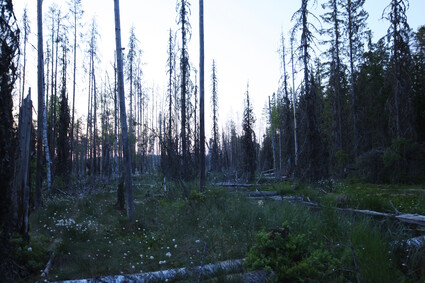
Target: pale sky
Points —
{"points": [[243, 36]]}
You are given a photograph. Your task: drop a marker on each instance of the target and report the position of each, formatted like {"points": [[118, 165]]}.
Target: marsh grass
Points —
{"points": [[94, 238]]}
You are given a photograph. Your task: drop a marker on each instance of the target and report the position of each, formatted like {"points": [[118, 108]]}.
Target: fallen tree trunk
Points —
{"points": [[48, 266], [259, 276], [258, 193], [412, 219], [206, 271], [416, 219], [417, 242], [229, 184]]}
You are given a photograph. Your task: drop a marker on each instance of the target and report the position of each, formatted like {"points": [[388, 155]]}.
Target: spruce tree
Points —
{"points": [[9, 48], [214, 103], [183, 9], [400, 108], [249, 140]]}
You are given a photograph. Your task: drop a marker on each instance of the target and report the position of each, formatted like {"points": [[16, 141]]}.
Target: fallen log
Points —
{"points": [[417, 242], [366, 212], [206, 271], [229, 184], [412, 219], [259, 276], [48, 266], [416, 219], [258, 193], [280, 198]]}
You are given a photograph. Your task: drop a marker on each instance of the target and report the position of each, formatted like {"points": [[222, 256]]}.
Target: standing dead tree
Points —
{"points": [[22, 169], [126, 149]]}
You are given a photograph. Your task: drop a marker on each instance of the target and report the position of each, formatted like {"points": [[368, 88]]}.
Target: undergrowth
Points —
{"points": [[91, 237]]}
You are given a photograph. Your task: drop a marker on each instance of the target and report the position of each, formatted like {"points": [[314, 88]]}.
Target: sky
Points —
{"points": [[242, 36]]}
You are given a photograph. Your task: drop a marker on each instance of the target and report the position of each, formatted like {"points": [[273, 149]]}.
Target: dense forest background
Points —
{"points": [[347, 107]]}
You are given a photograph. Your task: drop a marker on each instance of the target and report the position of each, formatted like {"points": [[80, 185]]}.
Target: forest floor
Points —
{"points": [[90, 237]]}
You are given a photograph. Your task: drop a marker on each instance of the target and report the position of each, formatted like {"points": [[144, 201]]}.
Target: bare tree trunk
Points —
{"points": [[26, 31], [46, 148], [73, 83], [202, 93], [116, 171], [294, 103], [55, 97], [126, 149], [39, 177], [272, 137], [22, 169]]}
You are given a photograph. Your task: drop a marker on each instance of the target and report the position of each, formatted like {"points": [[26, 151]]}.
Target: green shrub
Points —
{"points": [[196, 197], [342, 158], [402, 161], [292, 257], [31, 257]]}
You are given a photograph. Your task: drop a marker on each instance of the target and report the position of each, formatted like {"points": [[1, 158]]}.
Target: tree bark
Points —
{"points": [[294, 104], [40, 85], [73, 83], [177, 274], [116, 169], [126, 149], [201, 97], [22, 168], [272, 136]]}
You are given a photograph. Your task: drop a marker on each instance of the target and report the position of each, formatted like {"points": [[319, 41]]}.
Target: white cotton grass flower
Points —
{"points": [[168, 254]]}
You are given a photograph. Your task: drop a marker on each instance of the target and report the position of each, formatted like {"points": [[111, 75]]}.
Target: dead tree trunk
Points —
{"points": [[126, 148], [272, 137], [40, 75], [22, 168], [201, 98]]}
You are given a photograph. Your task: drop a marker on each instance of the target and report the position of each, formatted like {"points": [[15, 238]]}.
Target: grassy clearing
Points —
{"points": [[92, 238]]}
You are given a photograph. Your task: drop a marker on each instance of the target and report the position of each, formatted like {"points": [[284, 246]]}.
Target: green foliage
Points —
{"points": [[249, 141], [342, 158], [373, 254], [31, 257], [196, 197], [291, 256], [401, 162], [93, 238], [60, 182]]}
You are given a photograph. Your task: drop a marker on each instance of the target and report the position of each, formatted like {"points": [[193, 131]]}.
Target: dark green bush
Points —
{"points": [[292, 257], [403, 162]]}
